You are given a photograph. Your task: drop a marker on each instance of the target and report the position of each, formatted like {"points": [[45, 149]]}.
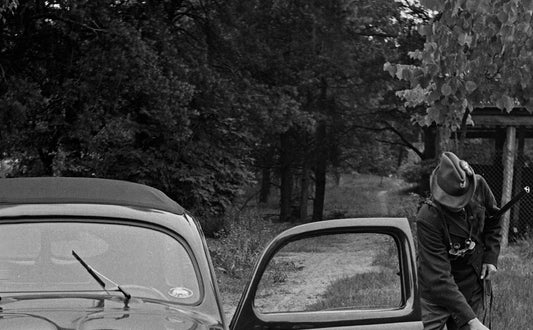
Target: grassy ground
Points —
{"points": [[368, 290], [247, 233], [360, 290], [513, 288]]}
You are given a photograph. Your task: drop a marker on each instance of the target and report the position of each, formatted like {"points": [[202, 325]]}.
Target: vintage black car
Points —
{"points": [[86, 253]]}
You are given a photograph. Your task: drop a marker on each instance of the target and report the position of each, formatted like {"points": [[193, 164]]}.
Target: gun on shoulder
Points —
{"points": [[510, 203]]}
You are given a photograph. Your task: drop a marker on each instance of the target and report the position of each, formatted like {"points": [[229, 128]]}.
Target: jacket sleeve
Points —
{"points": [[492, 230], [436, 280]]}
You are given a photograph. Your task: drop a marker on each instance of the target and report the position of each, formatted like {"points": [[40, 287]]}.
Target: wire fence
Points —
{"points": [[482, 155]]}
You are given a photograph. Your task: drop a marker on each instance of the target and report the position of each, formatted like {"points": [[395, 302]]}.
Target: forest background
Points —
{"points": [[201, 98]]}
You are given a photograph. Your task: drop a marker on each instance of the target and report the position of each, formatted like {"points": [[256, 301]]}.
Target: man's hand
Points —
{"points": [[487, 271], [475, 324]]}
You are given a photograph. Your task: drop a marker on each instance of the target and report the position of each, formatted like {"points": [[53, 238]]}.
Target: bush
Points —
{"points": [[238, 244], [212, 226]]}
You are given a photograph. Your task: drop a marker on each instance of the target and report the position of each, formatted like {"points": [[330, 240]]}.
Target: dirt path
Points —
{"points": [[383, 204], [312, 272], [321, 269]]}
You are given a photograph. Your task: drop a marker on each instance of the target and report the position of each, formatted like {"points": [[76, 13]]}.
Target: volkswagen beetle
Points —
{"points": [[87, 253]]}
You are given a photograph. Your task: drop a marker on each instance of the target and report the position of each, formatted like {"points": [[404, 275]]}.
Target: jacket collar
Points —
{"points": [[459, 222]]}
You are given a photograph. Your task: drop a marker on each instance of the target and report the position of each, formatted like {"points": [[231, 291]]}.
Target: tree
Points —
{"points": [[477, 52], [327, 57], [130, 90], [6, 8]]}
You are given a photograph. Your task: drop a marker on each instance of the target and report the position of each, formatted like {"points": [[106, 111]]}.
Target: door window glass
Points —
{"points": [[352, 271]]}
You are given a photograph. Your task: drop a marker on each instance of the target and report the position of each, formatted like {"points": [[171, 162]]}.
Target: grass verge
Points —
{"points": [[363, 291], [513, 288]]}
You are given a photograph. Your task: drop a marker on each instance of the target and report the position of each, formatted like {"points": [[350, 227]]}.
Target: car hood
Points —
{"points": [[98, 314]]}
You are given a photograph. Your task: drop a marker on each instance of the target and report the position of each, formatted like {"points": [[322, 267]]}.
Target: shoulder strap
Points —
{"points": [[430, 203]]}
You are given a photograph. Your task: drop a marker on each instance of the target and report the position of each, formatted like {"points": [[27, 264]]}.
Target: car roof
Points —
{"points": [[71, 190]]}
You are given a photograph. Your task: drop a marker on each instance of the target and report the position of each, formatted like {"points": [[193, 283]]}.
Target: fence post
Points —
{"points": [[507, 186]]}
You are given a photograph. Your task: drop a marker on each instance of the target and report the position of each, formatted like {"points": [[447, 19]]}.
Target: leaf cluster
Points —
{"points": [[477, 53]]}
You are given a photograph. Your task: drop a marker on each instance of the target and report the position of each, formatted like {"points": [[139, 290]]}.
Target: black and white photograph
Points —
{"points": [[266, 164]]}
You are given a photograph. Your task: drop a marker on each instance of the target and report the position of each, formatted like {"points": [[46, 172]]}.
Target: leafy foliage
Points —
{"points": [[477, 53], [7, 7], [116, 90]]}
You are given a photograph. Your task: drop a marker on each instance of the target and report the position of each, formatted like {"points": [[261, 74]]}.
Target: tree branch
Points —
{"points": [[52, 16], [406, 143], [389, 127], [394, 143]]}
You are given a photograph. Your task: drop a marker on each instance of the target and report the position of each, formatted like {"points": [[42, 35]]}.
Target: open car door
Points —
{"points": [[335, 274]]}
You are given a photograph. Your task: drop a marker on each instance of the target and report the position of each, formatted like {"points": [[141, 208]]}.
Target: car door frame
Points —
{"points": [[407, 316]]}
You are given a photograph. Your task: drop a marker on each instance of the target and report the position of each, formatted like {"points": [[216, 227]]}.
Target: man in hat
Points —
{"points": [[458, 247]]}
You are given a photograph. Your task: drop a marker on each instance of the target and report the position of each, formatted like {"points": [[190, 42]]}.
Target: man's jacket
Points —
{"points": [[449, 281]]}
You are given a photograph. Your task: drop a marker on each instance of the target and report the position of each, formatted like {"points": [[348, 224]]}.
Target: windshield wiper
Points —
{"points": [[98, 277]]}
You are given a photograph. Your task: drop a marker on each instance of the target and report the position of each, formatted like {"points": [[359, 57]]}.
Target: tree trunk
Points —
{"points": [[401, 154], [266, 179], [286, 178], [47, 161], [431, 142], [507, 189], [320, 173], [304, 191], [264, 193], [514, 222], [334, 154]]}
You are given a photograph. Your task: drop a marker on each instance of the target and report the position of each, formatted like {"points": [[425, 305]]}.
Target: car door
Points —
{"points": [[336, 274]]}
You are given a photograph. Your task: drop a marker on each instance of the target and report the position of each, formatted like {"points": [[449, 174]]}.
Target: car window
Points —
{"points": [[332, 272], [146, 262]]}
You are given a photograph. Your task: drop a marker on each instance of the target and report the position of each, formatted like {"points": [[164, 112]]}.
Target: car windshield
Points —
{"points": [[37, 257]]}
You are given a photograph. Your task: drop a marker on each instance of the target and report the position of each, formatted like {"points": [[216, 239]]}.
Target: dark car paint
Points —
{"points": [[62, 313], [95, 313], [64, 190]]}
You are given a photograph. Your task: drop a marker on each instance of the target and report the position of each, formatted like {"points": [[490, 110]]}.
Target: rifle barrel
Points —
{"points": [[513, 201]]}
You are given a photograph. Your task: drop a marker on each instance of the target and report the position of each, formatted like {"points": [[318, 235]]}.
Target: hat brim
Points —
{"points": [[455, 202]]}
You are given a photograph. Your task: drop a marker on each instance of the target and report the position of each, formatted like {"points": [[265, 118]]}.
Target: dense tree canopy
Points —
{"points": [[123, 90], [193, 97]]}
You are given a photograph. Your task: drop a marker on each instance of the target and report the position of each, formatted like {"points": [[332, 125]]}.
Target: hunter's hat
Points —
{"points": [[452, 183]]}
